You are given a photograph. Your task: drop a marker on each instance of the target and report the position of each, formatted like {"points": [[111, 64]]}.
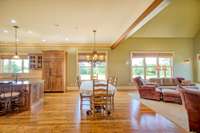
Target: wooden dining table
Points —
{"points": [[86, 87]]}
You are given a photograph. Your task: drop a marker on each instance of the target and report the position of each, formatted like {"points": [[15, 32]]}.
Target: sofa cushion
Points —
{"points": [[155, 81], [171, 92], [169, 82], [187, 83]]}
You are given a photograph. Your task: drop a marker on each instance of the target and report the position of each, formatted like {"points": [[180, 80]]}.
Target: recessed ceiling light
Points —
{"points": [[29, 32], [5, 31], [13, 21], [44, 40], [66, 39]]}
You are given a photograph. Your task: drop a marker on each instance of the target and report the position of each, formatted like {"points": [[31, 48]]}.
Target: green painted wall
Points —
{"points": [[119, 58], [196, 51], [180, 19]]}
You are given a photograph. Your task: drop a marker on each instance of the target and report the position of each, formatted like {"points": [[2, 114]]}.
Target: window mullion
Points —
{"points": [[158, 66], [22, 65], [10, 68], [145, 67]]}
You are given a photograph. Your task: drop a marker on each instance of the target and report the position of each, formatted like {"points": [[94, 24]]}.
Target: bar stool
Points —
{"points": [[10, 99], [5, 97], [17, 98]]}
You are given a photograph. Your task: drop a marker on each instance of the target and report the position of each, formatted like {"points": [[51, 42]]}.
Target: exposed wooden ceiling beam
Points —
{"points": [[154, 5]]}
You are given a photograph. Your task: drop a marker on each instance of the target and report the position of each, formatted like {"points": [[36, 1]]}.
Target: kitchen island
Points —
{"points": [[32, 93]]}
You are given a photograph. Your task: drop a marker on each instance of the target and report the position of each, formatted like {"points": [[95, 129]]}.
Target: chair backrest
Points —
{"points": [[100, 88], [110, 80], [191, 98], [94, 77], [6, 88], [115, 80], [78, 81], [138, 81]]}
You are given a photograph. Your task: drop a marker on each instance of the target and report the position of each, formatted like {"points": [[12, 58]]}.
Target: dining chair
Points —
{"points": [[114, 84], [100, 99], [83, 95], [94, 77], [17, 99], [5, 97]]}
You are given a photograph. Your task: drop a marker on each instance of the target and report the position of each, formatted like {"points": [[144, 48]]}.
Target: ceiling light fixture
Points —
{"points": [[29, 32], [66, 39], [95, 56], [16, 56], [44, 40], [13, 21], [5, 31]]}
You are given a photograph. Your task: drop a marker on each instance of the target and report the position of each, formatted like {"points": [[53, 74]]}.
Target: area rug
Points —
{"points": [[174, 112]]}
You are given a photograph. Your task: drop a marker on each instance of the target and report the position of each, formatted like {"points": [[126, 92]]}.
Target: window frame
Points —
{"points": [[157, 61], [90, 51], [10, 70]]}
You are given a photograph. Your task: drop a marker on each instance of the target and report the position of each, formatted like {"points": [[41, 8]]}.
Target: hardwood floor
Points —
{"points": [[60, 113]]}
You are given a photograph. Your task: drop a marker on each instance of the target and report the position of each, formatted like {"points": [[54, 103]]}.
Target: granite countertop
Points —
{"points": [[20, 82]]}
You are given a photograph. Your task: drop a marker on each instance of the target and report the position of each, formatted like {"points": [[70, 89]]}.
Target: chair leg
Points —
{"points": [[81, 100], [113, 102], [90, 103]]}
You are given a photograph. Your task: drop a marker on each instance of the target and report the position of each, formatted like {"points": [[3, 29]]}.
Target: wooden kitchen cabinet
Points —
{"points": [[54, 70], [35, 61]]}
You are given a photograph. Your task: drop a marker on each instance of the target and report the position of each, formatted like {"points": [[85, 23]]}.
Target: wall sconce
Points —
{"points": [[198, 57]]}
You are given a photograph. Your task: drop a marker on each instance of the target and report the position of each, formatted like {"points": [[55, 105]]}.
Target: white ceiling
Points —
{"points": [[74, 19]]}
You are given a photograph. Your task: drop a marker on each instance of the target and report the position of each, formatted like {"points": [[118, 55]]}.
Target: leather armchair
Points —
{"points": [[147, 91], [191, 98]]}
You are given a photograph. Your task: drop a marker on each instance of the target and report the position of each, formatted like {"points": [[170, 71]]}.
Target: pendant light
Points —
{"points": [[16, 56], [94, 56], [94, 53]]}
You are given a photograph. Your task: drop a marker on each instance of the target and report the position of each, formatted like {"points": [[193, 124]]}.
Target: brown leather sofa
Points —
{"points": [[171, 95], [147, 91], [191, 100], [169, 86], [172, 83], [165, 82]]}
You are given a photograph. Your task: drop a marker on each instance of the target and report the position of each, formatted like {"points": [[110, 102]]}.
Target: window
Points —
{"points": [[152, 65], [165, 67], [87, 69], [138, 67], [14, 66], [100, 70]]}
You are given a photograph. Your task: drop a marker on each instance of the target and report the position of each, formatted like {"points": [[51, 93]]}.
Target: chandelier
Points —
{"points": [[95, 56], [16, 56]]}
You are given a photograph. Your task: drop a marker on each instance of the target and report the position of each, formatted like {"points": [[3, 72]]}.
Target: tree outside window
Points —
{"points": [[15, 66]]}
